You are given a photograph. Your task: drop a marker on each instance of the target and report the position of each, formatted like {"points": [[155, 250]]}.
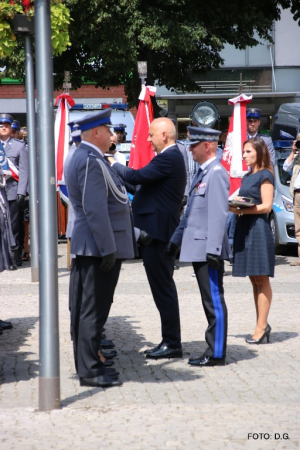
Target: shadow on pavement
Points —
{"points": [[282, 261], [277, 336], [135, 368], [16, 364]]}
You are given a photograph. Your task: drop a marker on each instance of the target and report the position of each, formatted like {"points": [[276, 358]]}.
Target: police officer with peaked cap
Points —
{"points": [[76, 139], [253, 122], [17, 184], [15, 127], [119, 129], [203, 239], [102, 237]]}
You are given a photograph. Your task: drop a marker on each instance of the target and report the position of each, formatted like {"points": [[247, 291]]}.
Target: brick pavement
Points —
{"points": [[162, 404]]}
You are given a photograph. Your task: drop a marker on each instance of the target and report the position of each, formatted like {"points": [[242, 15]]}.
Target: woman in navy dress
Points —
{"points": [[254, 253]]}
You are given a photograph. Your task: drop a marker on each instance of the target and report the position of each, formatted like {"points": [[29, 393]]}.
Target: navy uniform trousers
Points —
{"points": [[210, 283], [159, 272], [92, 294]]}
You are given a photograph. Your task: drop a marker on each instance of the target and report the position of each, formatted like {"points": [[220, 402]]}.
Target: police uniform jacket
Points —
{"points": [[16, 151], [157, 203], [269, 144], [202, 230], [183, 148], [103, 225]]}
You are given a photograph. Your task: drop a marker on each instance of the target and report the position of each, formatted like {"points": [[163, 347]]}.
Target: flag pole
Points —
{"points": [[142, 71]]}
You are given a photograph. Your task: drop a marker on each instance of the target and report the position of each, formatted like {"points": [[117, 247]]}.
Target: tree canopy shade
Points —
{"points": [[178, 38]]}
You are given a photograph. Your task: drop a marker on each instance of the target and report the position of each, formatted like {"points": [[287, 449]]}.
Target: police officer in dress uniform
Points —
{"points": [[102, 237], [253, 124], [203, 239], [17, 184]]}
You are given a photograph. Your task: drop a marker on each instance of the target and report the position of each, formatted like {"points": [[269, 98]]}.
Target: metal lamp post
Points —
{"points": [[49, 378], [26, 29]]}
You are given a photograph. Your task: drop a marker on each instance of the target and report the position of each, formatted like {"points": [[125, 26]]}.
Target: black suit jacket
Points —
{"points": [[157, 202]]}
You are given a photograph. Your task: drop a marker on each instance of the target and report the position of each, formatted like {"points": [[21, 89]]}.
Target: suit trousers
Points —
{"points": [[210, 282], [159, 270], [91, 295]]}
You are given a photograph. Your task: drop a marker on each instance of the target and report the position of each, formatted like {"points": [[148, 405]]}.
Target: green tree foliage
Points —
{"points": [[178, 38]]}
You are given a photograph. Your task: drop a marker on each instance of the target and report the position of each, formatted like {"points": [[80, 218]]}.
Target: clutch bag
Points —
{"points": [[244, 202]]}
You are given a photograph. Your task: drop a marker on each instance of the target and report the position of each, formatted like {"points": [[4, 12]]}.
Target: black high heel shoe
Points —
{"points": [[266, 334]]}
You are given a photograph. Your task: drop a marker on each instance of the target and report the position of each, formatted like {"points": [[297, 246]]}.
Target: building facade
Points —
{"points": [[268, 72]]}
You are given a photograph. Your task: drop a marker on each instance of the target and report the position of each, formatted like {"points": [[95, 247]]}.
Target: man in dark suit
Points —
{"points": [[17, 183], [156, 209], [203, 240], [253, 124], [102, 237]]}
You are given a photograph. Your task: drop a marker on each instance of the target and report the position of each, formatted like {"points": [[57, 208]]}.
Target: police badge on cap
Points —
{"points": [[253, 113]]}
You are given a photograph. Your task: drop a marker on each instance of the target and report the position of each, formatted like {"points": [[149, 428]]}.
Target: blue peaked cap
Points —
{"points": [[6, 118], [253, 113], [94, 120], [15, 125]]}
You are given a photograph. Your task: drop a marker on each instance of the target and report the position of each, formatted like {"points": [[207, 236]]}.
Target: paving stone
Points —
{"points": [[164, 404]]}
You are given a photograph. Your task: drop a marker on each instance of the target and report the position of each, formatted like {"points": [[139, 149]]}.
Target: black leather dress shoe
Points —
{"points": [[154, 349], [5, 325], [165, 352], [110, 354], [206, 361], [100, 381], [106, 343]]}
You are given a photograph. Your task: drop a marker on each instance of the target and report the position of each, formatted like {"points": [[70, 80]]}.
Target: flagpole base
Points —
{"points": [[34, 274]]}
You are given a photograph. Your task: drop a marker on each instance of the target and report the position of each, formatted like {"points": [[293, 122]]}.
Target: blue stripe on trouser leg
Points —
{"points": [[219, 329]]}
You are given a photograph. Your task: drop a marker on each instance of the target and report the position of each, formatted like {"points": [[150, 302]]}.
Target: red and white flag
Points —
{"points": [[13, 170], [141, 151], [237, 134], [62, 133]]}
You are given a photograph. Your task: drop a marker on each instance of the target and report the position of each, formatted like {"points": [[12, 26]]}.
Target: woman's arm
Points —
{"points": [[267, 193]]}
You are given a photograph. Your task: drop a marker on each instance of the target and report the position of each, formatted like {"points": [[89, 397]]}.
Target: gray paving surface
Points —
{"points": [[162, 404]]}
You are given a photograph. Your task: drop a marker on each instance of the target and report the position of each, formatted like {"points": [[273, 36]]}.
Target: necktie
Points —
{"points": [[199, 175]]}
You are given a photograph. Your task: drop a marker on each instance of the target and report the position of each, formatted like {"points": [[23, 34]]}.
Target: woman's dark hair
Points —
{"points": [[263, 155]]}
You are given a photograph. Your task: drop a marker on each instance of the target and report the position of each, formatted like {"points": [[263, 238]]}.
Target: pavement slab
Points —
{"points": [[251, 403]]}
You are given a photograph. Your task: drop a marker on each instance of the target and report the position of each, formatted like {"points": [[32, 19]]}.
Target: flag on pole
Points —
{"points": [[233, 150], [141, 151], [64, 103]]}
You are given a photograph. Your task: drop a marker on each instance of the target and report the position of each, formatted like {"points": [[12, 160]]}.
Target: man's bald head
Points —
{"points": [[162, 133]]}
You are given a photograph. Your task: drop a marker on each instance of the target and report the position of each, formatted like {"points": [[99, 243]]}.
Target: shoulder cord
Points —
{"points": [[2, 181], [109, 184]]}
